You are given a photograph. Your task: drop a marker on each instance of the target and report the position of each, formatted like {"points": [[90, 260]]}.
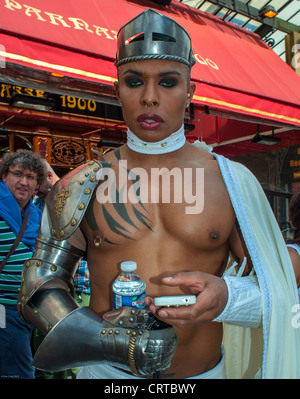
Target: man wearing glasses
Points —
{"points": [[21, 173]]}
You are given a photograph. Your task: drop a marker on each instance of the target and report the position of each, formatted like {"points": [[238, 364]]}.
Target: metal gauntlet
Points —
{"points": [[132, 339], [128, 338]]}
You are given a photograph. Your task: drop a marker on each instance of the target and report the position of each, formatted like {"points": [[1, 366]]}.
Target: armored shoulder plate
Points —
{"points": [[68, 200]]}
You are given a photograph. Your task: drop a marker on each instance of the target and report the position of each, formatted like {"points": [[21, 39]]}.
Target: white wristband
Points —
{"points": [[244, 304]]}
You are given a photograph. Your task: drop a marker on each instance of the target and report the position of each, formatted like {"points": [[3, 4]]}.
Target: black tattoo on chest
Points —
{"points": [[122, 219]]}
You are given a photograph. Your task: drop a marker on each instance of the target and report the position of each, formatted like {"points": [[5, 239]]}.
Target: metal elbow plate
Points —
{"points": [[53, 265]]}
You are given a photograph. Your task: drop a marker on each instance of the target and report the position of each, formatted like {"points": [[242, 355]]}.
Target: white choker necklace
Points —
{"points": [[170, 144]]}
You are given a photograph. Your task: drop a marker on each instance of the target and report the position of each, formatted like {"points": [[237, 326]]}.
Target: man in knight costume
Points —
{"points": [[230, 254]]}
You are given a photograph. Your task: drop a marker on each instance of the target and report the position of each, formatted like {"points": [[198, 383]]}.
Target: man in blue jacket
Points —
{"points": [[21, 173]]}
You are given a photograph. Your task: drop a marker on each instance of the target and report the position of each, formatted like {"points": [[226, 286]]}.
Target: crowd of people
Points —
{"points": [[231, 255]]}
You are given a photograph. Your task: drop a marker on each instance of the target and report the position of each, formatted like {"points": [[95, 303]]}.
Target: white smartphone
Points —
{"points": [[179, 300]]}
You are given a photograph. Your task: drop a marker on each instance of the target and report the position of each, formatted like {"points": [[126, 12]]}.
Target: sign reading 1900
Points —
{"points": [[64, 103], [71, 102]]}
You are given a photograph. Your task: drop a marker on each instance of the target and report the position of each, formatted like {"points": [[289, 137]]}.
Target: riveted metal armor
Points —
{"points": [[69, 198], [54, 261], [133, 340]]}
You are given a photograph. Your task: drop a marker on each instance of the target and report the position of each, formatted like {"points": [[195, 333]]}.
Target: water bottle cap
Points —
{"points": [[128, 266]]}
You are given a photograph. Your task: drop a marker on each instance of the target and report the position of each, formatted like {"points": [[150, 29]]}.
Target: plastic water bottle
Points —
{"points": [[129, 289]]}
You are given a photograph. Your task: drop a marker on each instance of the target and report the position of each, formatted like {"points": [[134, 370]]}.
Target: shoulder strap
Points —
{"points": [[16, 242], [295, 247]]}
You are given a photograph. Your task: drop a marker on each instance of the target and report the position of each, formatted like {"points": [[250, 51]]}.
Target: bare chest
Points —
{"points": [[190, 205]]}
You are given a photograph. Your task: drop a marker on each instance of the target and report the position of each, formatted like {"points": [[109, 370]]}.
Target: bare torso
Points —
{"points": [[163, 239]]}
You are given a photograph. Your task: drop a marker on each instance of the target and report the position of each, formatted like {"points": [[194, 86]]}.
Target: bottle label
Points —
{"points": [[135, 301]]}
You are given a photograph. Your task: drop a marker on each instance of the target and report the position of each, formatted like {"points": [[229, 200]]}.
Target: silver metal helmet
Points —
{"points": [[151, 35]]}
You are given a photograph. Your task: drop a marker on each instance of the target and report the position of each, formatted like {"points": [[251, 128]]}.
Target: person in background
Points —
{"points": [[82, 290], [82, 294], [293, 244], [45, 187], [21, 174]]}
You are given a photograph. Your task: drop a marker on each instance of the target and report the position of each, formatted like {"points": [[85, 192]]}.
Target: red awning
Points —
{"points": [[236, 72]]}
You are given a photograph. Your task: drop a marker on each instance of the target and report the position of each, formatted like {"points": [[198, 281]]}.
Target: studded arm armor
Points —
{"points": [[129, 340], [48, 276], [75, 336]]}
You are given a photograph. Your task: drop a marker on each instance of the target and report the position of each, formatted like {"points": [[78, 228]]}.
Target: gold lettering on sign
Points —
{"points": [[17, 89], [12, 5], [59, 20], [80, 24], [56, 17], [81, 103], [206, 61], [5, 90], [35, 11], [8, 90], [29, 91], [100, 30]]}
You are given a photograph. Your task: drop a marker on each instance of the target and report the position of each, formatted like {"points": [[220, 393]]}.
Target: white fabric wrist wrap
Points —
{"points": [[244, 304]]}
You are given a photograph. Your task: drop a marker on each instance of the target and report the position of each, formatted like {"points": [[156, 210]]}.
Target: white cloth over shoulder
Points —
{"points": [[272, 351]]}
